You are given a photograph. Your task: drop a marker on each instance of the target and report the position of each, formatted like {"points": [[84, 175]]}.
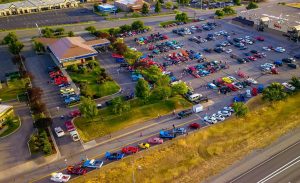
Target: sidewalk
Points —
{"points": [[257, 157]]}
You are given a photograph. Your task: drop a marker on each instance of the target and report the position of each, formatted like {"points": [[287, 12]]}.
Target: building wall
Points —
{"points": [[79, 61]]}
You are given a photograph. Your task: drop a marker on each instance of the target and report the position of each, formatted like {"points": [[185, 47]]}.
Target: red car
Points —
{"points": [[74, 113], [232, 87], [155, 140], [260, 38], [252, 58], [69, 125], [77, 170], [130, 150], [194, 125]]}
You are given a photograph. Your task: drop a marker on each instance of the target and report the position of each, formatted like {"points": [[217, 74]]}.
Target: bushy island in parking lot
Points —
{"points": [[204, 153]]}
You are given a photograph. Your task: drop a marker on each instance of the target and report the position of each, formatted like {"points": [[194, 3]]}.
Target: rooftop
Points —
{"points": [[31, 3], [107, 6], [279, 12], [4, 108], [127, 2]]}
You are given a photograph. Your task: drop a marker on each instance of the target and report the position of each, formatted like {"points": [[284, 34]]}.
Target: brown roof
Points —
{"points": [[45, 41], [96, 42]]}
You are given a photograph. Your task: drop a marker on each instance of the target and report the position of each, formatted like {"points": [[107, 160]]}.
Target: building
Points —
{"points": [[130, 5], [107, 8], [72, 50], [5, 111], [277, 18], [33, 6]]}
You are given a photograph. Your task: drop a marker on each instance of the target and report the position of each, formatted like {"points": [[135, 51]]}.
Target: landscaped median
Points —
{"points": [[108, 122], [206, 152], [13, 88]]}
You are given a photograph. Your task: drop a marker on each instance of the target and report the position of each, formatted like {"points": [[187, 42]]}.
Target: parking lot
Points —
{"points": [[54, 17]]}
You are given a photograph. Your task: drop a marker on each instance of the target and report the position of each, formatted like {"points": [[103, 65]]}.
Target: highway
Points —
{"points": [[282, 167]]}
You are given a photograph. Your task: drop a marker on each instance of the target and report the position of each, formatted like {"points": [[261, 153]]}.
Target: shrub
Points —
{"points": [[47, 149], [252, 5]]}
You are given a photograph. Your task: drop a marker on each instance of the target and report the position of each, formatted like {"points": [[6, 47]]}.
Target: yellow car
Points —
{"points": [[227, 80], [144, 145]]}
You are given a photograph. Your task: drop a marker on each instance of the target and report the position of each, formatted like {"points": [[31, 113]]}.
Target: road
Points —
{"points": [[282, 167]]}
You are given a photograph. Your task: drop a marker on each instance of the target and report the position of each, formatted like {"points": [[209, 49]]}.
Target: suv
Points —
{"points": [[200, 100], [288, 60], [184, 114]]}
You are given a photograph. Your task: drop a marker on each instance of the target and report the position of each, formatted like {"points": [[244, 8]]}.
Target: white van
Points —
{"points": [[75, 136], [194, 97]]}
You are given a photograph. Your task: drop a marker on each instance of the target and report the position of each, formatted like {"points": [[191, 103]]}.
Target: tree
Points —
{"points": [[175, 6], [96, 7], [120, 48], [252, 5], [145, 9], [152, 73], [162, 92], [59, 31], [103, 35], [219, 13], [125, 28], [38, 46], [43, 123], [9, 121], [157, 7], [240, 109], [181, 17], [38, 107], [91, 29], [10, 38], [274, 92], [111, 31], [137, 25], [180, 88], [164, 80], [15, 47], [295, 82], [228, 10], [47, 32], [34, 94], [88, 108], [119, 105], [168, 5], [142, 89], [183, 2], [161, 1], [71, 34], [237, 2]]}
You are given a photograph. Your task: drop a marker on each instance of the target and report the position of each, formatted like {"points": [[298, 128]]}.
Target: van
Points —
{"points": [[194, 97]]}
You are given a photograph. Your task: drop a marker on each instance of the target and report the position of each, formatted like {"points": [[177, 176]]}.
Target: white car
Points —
{"points": [[247, 37], [252, 81], [59, 131], [248, 41], [224, 113], [75, 136], [288, 86], [60, 177], [279, 49], [193, 28], [248, 93], [218, 117], [238, 86], [210, 120], [266, 48], [233, 79], [230, 109], [228, 51], [267, 65]]}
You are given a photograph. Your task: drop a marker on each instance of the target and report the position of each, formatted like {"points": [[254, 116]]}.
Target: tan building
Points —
{"points": [[73, 50], [127, 5], [5, 111], [33, 6]]}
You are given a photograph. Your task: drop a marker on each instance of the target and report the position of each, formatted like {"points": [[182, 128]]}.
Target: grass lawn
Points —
{"points": [[295, 5], [206, 152], [100, 90], [139, 112], [12, 128], [13, 89]]}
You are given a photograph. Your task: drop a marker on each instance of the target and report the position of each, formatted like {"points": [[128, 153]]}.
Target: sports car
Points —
{"points": [[130, 149], [77, 170], [144, 145], [155, 140]]}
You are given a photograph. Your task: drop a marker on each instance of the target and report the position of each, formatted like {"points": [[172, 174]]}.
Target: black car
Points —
{"points": [[219, 49], [184, 114], [288, 60], [208, 50], [297, 56], [247, 59], [201, 100], [254, 51], [294, 66], [241, 60]]}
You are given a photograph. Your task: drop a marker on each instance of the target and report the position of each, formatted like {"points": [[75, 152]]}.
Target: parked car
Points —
{"points": [[69, 125], [288, 60], [184, 114], [114, 156], [59, 131], [130, 150], [294, 66], [75, 136], [194, 125], [224, 113], [74, 113], [166, 134], [60, 177], [288, 86], [218, 117], [144, 145], [155, 140], [210, 120], [76, 170], [228, 108], [179, 130]]}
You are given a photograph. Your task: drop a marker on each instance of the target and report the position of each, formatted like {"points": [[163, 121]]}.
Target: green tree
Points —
{"points": [[9, 121], [229, 10], [142, 89], [175, 6], [59, 31], [183, 2], [47, 32], [42, 123], [91, 29], [96, 7], [119, 105], [137, 25], [252, 5], [161, 1], [180, 88], [169, 5], [112, 31], [219, 13], [152, 73], [125, 28], [15, 47], [295, 82], [157, 8], [162, 92], [145, 9], [164, 80], [274, 92], [38, 46], [47, 148], [237, 2], [10, 38], [71, 34], [240, 109], [181, 17], [88, 108], [120, 48]]}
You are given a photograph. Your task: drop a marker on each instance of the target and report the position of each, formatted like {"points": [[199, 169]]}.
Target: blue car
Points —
{"points": [[136, 76], [239, 98], [92, 163], [166, 134], [260, 88], [73, 99], [114, 156], [212, 86]]}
